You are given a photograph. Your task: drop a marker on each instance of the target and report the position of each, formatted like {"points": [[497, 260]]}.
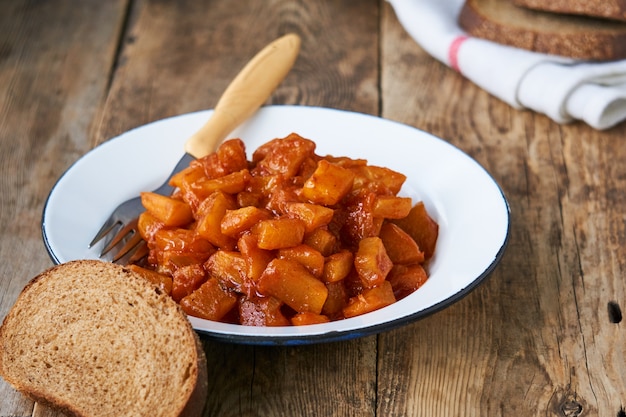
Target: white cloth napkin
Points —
{"points": [[564, 89]]}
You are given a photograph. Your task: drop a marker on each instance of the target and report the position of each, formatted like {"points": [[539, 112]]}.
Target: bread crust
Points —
{"points": [[606, 9], [128, 318], [570, 36]]}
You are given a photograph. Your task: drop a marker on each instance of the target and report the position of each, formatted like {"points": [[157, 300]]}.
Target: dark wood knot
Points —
{"points": [[615, 312], [571, 408]]}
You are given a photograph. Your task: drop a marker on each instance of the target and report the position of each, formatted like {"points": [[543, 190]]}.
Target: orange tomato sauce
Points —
{"points": [[287, 237]]}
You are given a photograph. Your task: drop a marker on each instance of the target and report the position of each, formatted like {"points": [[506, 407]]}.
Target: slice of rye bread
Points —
{"points": [[606, 9], [566, 35], [94, 339]]}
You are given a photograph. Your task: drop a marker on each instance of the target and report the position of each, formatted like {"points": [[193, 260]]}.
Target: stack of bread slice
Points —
{"points": [[592, 30], [94, 339]]}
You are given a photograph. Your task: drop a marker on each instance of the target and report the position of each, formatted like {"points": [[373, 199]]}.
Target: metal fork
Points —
{"points": [[243, 97]]}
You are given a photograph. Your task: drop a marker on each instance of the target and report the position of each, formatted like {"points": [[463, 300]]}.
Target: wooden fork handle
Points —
{"points": [[246, 93]]}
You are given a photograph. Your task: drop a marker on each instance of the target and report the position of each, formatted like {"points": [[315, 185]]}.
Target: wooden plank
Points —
{"points": [[326, 379], [178, 57], [55, 59], [536, 338], [540, 336]]}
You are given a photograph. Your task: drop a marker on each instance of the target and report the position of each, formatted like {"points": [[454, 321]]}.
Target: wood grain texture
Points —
{"points": [[54, 67], [541, 336], [172, 61], [536, 338]]}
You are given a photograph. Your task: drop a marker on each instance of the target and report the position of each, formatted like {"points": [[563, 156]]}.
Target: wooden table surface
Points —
{"points": [[542, 336]]}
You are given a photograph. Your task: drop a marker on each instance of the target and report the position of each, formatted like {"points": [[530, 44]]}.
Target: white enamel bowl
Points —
{"points": [[471, 210]]}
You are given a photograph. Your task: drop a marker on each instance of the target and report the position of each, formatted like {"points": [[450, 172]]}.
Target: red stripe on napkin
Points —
{"points": [[453, 51]]}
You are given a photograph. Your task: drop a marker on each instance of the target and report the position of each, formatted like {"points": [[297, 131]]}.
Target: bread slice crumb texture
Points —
{"points": [[96, 340], [607, 9]]}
